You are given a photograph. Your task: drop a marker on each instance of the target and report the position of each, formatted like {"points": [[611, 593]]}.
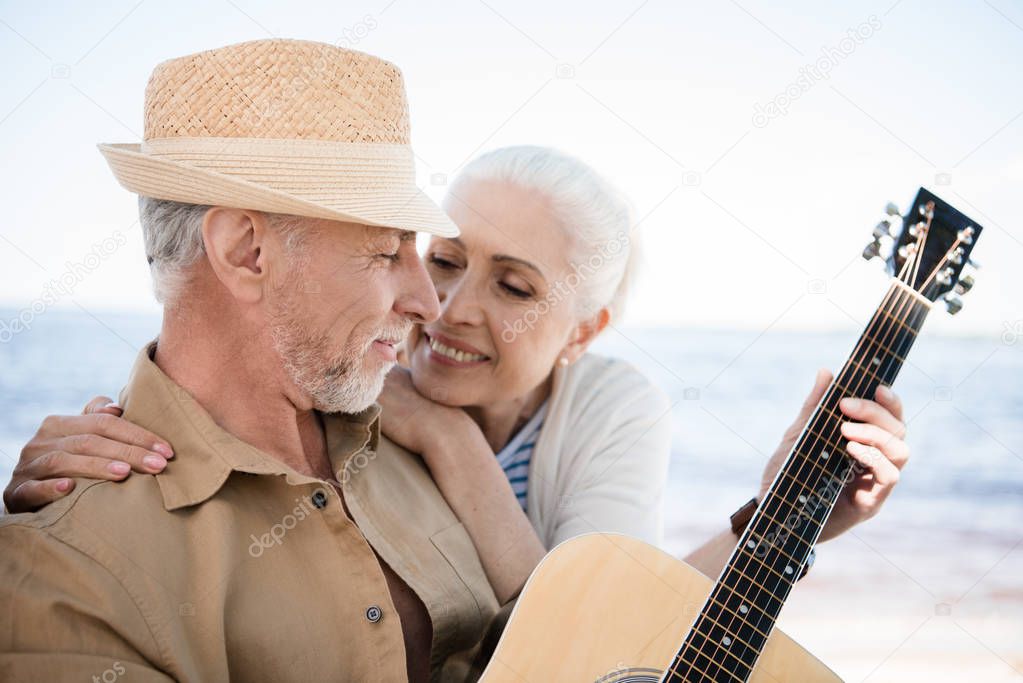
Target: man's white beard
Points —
{"points": [[335, 386], [336, 382]]}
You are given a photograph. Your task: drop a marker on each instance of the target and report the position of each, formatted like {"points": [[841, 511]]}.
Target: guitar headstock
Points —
{"points": [[930, 247]]}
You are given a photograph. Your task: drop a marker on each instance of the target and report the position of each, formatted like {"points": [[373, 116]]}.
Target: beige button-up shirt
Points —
{"points": [[232, 566]]}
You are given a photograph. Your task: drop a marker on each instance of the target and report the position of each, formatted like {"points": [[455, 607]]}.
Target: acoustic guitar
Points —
{"points": [[608, 608]]}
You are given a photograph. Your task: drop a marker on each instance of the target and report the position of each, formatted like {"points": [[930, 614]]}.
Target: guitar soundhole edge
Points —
{"points": [[632, 675]]}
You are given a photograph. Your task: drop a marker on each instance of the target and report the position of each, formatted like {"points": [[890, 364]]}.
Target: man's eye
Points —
{"points": [[391, 257]]}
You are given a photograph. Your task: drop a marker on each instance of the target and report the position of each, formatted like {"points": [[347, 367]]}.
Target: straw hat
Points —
{"points": [[284, 126]]}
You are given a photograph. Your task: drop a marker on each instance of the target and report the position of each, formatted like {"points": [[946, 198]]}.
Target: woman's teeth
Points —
{"points": [[455, 354]]}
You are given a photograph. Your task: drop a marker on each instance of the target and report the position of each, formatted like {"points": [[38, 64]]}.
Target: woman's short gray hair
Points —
{"points": [[586, 205], [172, 232]]}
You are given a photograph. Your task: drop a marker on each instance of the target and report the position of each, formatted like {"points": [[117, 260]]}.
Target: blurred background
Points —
{"points": [[759, 143]]}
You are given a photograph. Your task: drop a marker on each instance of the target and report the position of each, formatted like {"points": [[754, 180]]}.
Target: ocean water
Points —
{"points": [[734, 393], [946, 545]]}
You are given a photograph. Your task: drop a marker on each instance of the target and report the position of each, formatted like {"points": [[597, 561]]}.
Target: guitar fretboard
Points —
{"points": [[730, 632]]}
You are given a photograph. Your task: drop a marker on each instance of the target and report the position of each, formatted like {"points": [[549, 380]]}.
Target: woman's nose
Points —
{"points": [[459, 304]]}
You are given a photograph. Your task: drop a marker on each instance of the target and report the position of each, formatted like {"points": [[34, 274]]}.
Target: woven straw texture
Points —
{"points": [[283, 126], [289, 89]]}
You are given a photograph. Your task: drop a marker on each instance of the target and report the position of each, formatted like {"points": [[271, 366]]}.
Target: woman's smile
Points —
{"points": [[452, 353]]}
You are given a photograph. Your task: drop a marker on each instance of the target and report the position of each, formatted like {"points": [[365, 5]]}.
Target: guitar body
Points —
{"points": [[610, 608]]}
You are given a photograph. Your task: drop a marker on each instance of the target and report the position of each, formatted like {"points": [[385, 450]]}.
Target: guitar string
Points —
{"points": [[870, 340], [862, 374], [892, 347], [884, 339], [856, 382], [746, 597]]}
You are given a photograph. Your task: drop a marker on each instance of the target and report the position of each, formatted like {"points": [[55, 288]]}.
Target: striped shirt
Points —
{"points": [[514, 457]]}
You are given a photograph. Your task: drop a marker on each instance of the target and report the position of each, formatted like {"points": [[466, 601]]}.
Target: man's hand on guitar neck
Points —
{"points": [[875, 432]]}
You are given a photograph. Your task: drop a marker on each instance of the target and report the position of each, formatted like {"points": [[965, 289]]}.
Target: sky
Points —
{"points": [[759, 142]]}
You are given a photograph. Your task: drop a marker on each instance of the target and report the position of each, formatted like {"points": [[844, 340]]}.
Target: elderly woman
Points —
{"points": [[531, 439]]}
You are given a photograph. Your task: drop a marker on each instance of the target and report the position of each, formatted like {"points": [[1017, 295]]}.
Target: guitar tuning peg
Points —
{"points": [[891, 209], [872, 250], [953, 303], [883, 229], [973, 264], [965, 284]]}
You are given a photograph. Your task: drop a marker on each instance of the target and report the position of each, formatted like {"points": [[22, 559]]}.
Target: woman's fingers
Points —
{"points": [[32, 494], [113, 428], [820, 385], [873, 413], [883, 470], [889, 400], [97, 445], [66, 464], [125, 456], [866, 493], [101, 403], [889, 446], [876, 440]]}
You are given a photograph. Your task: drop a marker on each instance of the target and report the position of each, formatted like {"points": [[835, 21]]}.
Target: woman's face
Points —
{"points": [[506, 314]]}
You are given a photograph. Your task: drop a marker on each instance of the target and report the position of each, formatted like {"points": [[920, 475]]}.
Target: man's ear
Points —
{"points": [[235, 241], [584, 334]]}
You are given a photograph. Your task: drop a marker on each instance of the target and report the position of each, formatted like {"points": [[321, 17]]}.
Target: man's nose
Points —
{"points": [[418, 300]]}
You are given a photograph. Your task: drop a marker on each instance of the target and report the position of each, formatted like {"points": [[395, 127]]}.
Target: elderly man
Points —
{"points": [[287, 542]]}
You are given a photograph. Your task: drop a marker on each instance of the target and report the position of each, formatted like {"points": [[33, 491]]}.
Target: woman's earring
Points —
{"points": [[563, 361]]}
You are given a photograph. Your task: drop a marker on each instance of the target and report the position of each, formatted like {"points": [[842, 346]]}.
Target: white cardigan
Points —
{"points": [[601, 461]]}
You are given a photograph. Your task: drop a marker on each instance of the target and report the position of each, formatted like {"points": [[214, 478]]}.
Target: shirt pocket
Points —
{"points": [[470, 612]]}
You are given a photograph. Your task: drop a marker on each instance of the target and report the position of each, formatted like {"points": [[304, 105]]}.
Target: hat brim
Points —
{"points": [[402, 207]]}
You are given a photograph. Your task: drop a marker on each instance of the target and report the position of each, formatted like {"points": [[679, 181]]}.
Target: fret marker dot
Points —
{"points": [[743, 609], [788, 569], [824, 455], [802, 499], [876, 361], [751, 544], [726, 641]]}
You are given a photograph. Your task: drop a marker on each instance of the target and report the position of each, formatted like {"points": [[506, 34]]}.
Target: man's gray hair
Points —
{"points": [[172, 232]]}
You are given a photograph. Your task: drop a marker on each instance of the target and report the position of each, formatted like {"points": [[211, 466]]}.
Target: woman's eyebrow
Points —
{"points": [[504, 258], [501, 258]]}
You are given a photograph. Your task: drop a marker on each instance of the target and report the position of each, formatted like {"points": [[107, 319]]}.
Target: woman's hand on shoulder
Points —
{"points": [[98, 444]]}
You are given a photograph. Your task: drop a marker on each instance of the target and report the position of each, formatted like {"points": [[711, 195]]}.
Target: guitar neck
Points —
{"points": [[732, 628]]}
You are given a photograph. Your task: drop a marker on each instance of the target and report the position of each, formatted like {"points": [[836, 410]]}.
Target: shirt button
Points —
{"points": [[319, 499], [373, 613]]}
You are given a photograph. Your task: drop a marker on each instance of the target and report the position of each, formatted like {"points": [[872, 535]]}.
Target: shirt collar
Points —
{"points": [[206, 454]]}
